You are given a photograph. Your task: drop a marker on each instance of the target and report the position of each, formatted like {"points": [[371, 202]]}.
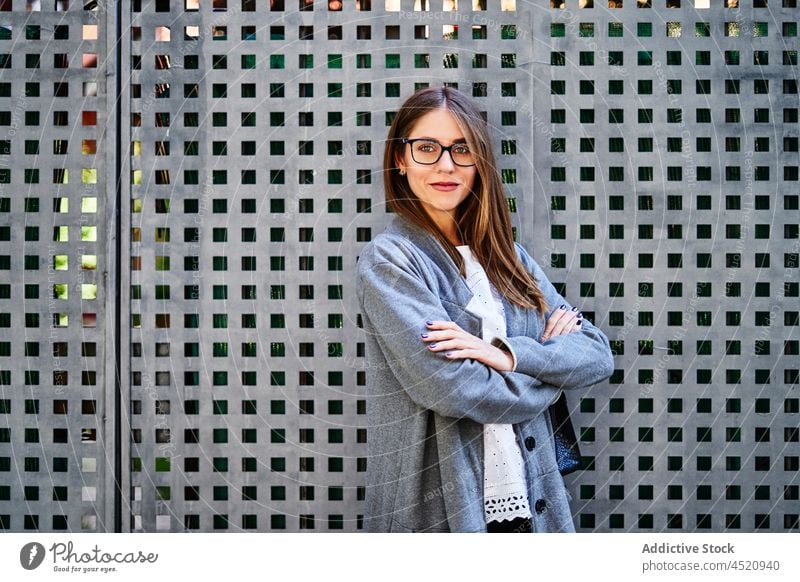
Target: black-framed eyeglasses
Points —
{"points": [[429, 151]]}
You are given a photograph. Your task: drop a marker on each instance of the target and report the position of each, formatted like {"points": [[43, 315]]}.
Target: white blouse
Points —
{"points": [[505, 491]]}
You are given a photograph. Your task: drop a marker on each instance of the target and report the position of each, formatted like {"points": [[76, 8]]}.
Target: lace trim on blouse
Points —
{"points": [[507, 505]]}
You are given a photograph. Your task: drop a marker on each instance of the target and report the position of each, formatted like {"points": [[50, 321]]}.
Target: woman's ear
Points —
{"points": [[401, 165]]}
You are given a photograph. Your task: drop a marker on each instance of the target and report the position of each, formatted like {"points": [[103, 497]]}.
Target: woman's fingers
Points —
{"points": [[447, 338], [553, 320], [443, 325], [433, 336], [447, 335], [462, 354], [561, 322], [452, 344], [450, 340], [564, 325], [443, 330]]}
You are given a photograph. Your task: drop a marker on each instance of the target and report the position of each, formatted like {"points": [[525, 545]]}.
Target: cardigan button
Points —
{"points": [[540, 505], [530, 443]]}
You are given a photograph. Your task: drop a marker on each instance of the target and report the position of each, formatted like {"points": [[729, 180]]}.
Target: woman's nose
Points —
{"points": [[446, 161]]}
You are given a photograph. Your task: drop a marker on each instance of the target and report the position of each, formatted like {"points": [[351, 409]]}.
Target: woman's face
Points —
{"points": [[442, 186]]}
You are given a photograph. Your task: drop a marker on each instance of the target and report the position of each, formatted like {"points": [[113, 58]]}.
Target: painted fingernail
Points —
{"points": [[428, 323], [432, 345], [563, 307], [424, 335], [579, 322], [448, 355], [579, 315]]}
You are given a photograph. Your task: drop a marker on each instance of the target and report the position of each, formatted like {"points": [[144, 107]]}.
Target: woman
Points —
{"points": [[468, 343]]}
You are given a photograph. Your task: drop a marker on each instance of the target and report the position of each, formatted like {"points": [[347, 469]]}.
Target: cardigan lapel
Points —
{"points": [[516, 317], [459, 291]]}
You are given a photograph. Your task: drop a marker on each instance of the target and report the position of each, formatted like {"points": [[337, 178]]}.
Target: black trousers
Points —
{"points": [[516, 525]]}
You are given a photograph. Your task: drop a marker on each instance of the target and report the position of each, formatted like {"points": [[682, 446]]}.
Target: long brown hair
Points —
{"points": [[483, 218]]}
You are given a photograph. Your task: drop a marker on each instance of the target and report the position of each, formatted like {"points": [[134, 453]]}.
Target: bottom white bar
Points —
{"points": [[356, 557]]}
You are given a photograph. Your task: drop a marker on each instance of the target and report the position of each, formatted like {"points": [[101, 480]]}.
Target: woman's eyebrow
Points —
{"points": [[459, 140]]}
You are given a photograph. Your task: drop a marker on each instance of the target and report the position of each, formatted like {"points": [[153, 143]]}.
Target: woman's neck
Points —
{"points": [[448, 226]]}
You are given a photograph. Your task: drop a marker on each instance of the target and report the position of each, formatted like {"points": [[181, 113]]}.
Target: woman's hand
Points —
{"points": [[561, 322], [457, 344]]}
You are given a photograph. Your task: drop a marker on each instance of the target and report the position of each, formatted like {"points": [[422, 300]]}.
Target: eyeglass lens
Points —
{"points": [[429, 152]]}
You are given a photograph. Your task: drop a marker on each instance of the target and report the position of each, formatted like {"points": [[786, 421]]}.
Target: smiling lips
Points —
{"points": [[445, 186]]}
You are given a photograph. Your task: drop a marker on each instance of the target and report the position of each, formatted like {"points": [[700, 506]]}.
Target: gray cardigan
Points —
{"points": [[426, 413]]}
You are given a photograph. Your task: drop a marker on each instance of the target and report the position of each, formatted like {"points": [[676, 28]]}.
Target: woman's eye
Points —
{"points": [[426, 147], [463, 150]]}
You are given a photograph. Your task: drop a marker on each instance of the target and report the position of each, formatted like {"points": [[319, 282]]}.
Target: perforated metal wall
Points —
{"points": [[666, 203], [53, 267], [650, 155]]}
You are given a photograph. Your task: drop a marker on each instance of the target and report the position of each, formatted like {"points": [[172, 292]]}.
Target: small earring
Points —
{"points": [[402, 172]]}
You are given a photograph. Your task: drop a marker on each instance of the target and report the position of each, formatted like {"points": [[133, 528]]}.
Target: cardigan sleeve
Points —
{"points": [[573, 360], [396, 303]]}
